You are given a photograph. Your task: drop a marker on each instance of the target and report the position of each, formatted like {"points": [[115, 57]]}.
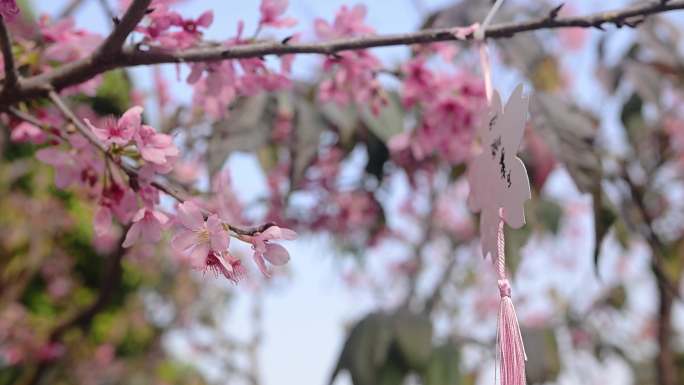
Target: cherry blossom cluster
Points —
{"points": [[445, 103], [448, 105]]}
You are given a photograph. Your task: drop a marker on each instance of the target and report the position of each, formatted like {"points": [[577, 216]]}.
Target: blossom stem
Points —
{"points": [[115, 41], [131, 172]]}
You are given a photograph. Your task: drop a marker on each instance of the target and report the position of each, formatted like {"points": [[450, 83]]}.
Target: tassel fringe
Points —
{"points": [[511, 348]]}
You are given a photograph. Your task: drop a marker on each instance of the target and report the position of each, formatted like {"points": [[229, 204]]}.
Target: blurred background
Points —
{"points": [[386, 284]]}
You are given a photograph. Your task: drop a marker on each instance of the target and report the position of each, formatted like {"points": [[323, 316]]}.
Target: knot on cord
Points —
{"points": [[504, 288]]}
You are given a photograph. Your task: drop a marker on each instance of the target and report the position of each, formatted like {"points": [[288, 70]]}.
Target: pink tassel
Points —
{"points": [[509, 338], [511, 348]]}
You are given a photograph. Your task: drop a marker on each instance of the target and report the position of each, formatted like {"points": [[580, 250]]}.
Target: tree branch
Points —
{"points": [[11, 76], [115, 41], [667, 290], [110, 58]]}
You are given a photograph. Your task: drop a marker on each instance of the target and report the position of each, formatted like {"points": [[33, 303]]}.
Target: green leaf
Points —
{"points": [[443, 368], [308, 131], [366, 349], [516, 239], [378, 155], [392, 373], [548, 214], [604, 218], [389, 122], [113, 95], [245, 129], [414, 338], [571, 134], [543, 364], [344, 119]]}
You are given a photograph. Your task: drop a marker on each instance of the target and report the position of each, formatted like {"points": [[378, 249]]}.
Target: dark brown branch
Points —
{"points": [[82, 70], [115, 41], [11, 76]]}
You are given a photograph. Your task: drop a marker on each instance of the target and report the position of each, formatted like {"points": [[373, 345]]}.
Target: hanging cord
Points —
{"points": [[511, 350], [479, 36]]}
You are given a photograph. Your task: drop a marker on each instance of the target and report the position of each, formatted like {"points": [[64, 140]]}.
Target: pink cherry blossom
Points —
{"points": [[230, 266], [147, 226], [199, 239], [169, 29], [353, 72], [8, 9], [274, 253], [348, 23], [155, 147], [66, 42], [27, 132], [118, 132], [271, 12], [81, 164]]}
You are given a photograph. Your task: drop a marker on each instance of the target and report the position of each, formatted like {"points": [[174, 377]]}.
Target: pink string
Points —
{"points": [[462, 33], [509, 338], [486, 70]]}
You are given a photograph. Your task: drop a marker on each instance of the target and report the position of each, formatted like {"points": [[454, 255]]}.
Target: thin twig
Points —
{"points": [[115, 41], [11, 76], [82, 70]]}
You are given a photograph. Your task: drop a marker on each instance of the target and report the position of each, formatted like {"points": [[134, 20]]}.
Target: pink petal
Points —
{"points": [[206, 19], [190, 216], [160, 217], [153, 155], [102, 221], [150, 230], [183, 240], [131, 119], [261, 264], [139, 215], [198, 255], [132, 235], [218, 235], [276, 254]]}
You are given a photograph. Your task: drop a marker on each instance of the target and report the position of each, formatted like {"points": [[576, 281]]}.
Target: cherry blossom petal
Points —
{"points": [[102, 221], [132, 235], [190, 216], [261, 264], [276, 254], [218, 235], [183, 240]]}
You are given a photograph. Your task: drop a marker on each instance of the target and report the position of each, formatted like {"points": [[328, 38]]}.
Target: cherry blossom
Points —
{"points": [[119, 132], [197, 238], [155, 147], [27, 132], [9, 9], [272, 12], [274, 253], [147, 226]]}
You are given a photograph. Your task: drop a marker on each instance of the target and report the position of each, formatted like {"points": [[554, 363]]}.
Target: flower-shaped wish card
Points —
{"points": [[499, 185]]}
